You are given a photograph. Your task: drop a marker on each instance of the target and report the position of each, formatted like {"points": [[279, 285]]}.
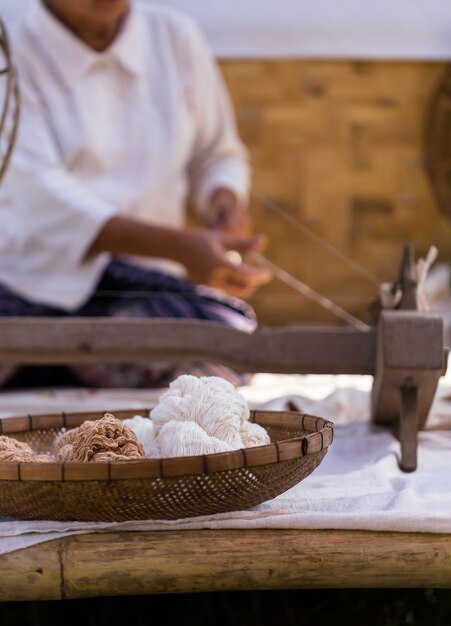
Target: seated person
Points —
{"points": [[124, 116]]}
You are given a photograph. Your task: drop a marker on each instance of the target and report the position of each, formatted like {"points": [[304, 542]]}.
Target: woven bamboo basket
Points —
{"points": [[169, 488]]}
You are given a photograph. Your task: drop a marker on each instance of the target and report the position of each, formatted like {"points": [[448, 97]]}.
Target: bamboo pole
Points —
{"points": [[130, 563]]}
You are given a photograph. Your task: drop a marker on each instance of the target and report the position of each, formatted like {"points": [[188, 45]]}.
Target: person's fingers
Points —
{"points": [[254, 275], [252, 244], [243, 280], [217, 218], [234, 223], [236, 287], [237, 219], [247, 274]]}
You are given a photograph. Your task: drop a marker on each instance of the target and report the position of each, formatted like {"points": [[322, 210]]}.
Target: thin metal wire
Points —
{"points": [[310, 293], [293, 221], [187, 296]]}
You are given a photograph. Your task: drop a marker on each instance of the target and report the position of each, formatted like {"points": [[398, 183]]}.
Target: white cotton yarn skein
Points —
{"points": [[211, 402], [186, 385], [219, 414], [144, 430], [170, 408], [185, 396], [188, 439], [217, 384], [201, 416], [182, 386], [174, 403], [253, 435]]}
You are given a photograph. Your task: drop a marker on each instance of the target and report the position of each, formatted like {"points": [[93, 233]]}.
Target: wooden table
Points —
{"points": [[223, 560]]}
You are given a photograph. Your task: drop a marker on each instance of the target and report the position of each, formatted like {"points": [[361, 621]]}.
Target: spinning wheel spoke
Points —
{"points": [[9, 117], [438, 143], [442, 167]]}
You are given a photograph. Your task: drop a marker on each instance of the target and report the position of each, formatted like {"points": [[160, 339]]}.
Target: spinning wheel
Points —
{"points": [[9, 102], [438, 143]]}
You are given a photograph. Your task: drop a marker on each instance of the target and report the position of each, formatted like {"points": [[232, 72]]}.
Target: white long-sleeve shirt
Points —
{"points": [[132, 130]]}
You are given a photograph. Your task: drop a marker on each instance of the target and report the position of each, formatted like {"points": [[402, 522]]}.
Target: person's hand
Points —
{"points": [[225, 214], [204, 254]]}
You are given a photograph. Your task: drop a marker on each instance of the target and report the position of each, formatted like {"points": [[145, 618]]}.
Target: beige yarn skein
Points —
{"points": [[107, 439], [15, 451]]}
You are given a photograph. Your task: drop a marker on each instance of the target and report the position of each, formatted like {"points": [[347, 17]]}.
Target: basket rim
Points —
{"points": [[319, 436]]}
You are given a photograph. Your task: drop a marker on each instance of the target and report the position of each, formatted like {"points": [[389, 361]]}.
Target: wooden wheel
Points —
{"points": [[438, 142], [10, 102]]}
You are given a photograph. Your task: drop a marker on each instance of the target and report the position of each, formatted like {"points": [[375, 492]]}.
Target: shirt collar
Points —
{"points": [[73, 56]]}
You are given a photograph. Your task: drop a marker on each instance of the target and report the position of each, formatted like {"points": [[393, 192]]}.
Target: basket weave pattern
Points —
{"points": [[158, 488]]}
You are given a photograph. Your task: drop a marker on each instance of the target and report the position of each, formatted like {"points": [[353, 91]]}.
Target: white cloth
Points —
{"points": [[131, 129], [326, 29], [358, 485]]}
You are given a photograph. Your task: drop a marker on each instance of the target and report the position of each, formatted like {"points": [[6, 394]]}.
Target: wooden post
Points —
{"points": [[408, 427], [408, 280], [410, 361]]}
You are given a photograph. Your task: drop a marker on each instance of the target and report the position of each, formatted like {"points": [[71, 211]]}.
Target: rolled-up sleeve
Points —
{"points": [[219, 157]]}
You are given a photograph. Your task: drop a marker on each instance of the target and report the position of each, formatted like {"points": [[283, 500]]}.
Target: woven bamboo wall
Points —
{"points": [[338, 145]]}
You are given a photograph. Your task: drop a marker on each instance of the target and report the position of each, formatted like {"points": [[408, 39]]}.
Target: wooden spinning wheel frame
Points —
{"points": [[10, 106], [437, 142]]}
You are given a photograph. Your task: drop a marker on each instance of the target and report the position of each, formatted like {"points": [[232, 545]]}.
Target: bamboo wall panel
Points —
{"points": [[338, 145]]}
